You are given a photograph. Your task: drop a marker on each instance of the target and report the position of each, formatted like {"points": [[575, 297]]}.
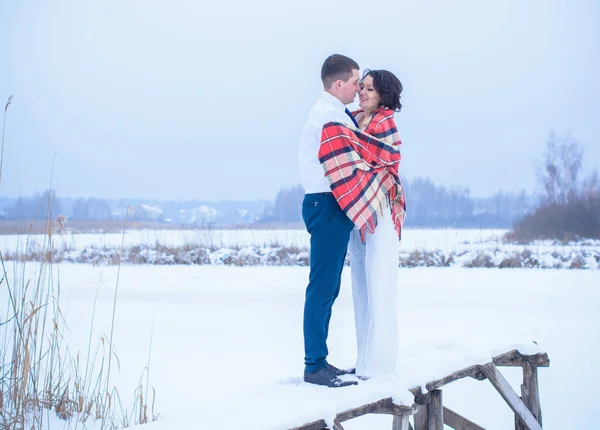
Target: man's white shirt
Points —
{"points": [[328, 108]]}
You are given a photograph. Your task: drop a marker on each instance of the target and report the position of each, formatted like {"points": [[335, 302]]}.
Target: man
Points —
{"points": [[327, 224]]}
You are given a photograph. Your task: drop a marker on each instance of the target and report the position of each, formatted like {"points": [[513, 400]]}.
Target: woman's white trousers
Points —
{"points": [[374, 269]]}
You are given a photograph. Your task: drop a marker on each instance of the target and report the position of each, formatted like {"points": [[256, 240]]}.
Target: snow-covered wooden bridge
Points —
{"points": [[428, 413]]}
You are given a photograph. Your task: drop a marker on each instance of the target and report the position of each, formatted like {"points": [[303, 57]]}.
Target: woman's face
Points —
{"points": [[369, 98]]}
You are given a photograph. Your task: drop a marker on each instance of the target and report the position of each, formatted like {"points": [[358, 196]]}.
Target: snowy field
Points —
{"points": [[444, 239], [242, 247], [226, 349], [422, 239]]}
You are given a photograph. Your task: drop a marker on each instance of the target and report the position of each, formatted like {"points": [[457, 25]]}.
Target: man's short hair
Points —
{"points": [[336, 67]]}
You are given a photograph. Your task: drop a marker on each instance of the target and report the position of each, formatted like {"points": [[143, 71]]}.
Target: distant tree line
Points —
{"points": [[91, 209], [40, 206], [189, 213], [428, 205]]}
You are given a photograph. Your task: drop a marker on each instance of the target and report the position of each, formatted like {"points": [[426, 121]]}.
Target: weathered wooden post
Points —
{"points": [[430, 412], [530, 394], [421, 418], [510, 397], [435, 411], [400, 422]]}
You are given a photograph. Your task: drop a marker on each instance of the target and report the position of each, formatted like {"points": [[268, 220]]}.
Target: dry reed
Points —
{"points": [[39, 374]]}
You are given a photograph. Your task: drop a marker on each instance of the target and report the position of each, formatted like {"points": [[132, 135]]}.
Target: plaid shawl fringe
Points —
{"points": [[362, 171]]}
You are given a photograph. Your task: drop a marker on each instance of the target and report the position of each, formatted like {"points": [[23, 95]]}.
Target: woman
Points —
{"points": [[361, 166], [374, 261]]}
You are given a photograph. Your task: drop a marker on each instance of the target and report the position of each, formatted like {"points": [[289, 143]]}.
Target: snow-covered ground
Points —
{"points": [[226, 350], [419, 248], [422, 239]]}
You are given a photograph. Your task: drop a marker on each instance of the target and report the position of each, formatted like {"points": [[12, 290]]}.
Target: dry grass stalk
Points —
{"points": [[38, 372], [8, 102]]}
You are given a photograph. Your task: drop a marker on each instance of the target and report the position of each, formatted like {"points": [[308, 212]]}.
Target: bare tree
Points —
{"points": [[591, 186], [561, 166], [570, 209]]}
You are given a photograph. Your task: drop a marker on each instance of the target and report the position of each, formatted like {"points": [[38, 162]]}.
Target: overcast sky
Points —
{"points": [[192, 99]]}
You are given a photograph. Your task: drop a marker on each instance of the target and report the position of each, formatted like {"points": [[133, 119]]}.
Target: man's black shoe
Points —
{"points": [[340, 372], [326, 377]]}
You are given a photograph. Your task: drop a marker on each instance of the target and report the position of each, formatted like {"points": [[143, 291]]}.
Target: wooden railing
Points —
{"points": [[384, 406], [430, 414]]}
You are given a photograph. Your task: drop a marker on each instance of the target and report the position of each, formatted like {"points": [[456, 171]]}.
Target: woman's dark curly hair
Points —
{"points": [[388, 86]]}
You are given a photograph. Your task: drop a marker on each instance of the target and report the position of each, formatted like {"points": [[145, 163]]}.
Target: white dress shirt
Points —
{"points": [[328, 108]]}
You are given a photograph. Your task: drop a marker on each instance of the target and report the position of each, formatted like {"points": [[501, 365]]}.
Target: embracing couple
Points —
{"points": [[354, 203]]}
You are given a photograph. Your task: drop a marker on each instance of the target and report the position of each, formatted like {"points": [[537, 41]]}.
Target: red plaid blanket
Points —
{"points": [[362, 169]]}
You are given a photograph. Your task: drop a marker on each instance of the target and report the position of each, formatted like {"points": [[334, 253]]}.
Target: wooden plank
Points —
{"points": [[383, 406], [435, 411], [388, 407], [510, 397], [472, 372], [400, 422], [530, 391], [421, 418], [458, 422], [515, 358], [395, 410], [337, 425], [530, 394], [315, 425], [362, 410]]}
